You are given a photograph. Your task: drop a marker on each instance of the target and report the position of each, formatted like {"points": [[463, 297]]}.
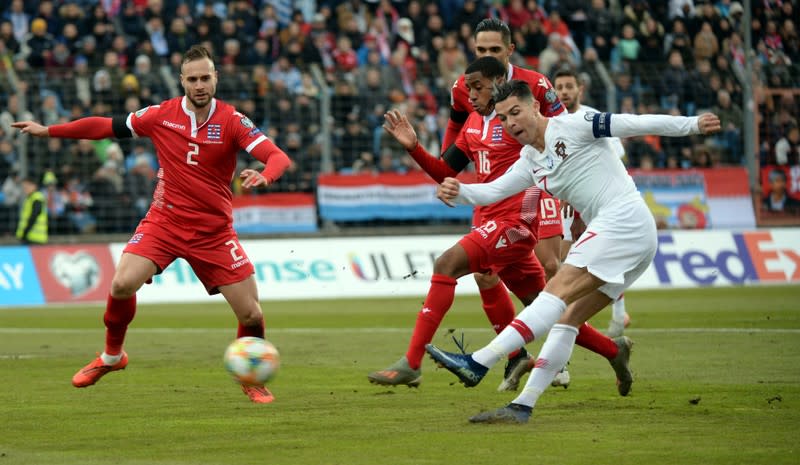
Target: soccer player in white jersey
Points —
{"points": [[566, 156], [569, 87]]}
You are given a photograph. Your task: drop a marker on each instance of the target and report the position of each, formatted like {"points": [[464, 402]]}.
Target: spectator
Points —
{"points": [[139, 184], [652, 40], [731, 119], [706, 45], [778, 199], [787, 149], [452, 60], [628, 47], [283, 70], [20, 20], [674, 84], [38, 44], [12, 196], [7, 38], [602, 27]]}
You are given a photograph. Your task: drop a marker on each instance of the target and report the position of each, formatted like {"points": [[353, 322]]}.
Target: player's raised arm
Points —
{"points": [[452, 162], [625, 125], [275, 163]]}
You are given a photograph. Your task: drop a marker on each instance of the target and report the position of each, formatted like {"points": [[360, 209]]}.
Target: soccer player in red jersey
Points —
{"points": [[493, 38], [197, 138], [502, 244]]}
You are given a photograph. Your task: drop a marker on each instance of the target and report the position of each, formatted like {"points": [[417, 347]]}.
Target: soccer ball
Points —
{"points": [[252, 360]]}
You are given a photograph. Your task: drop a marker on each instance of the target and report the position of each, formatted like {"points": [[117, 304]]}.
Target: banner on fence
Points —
{"points": [[389, 196], [697, 199], [274, 213]]}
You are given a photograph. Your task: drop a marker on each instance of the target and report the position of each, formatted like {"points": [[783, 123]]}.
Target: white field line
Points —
{"points": [[375, 330]]}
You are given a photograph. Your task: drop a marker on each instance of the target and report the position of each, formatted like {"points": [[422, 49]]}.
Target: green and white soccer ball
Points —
{"points": [[252, 361]]}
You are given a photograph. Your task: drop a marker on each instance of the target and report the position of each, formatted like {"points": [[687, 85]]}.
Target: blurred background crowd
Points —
{"points": [[318, 76]]}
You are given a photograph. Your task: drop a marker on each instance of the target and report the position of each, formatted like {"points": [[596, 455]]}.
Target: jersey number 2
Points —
{"points": [[195, 150]]}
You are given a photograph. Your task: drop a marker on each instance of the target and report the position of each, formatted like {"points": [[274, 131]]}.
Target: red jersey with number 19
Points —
{"points": [[197, 162]]}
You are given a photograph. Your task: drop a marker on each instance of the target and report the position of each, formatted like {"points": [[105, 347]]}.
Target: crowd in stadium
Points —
{"points": [[64, 59]]}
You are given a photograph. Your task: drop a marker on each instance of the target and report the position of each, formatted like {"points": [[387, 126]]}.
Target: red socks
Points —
{"points": [[119, 313], [440, 297], [253, 331], [498, 306], [597, 342]]}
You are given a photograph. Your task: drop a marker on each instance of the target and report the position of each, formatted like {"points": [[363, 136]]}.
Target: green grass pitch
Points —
{"points": [[717, 382]]}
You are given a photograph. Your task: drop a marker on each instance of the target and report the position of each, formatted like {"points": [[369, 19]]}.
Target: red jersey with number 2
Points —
{"points": [[197, 161]]}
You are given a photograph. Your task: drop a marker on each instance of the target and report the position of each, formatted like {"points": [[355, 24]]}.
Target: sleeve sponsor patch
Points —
{"points": [[550, 95], [247, 123], [141, 112]]}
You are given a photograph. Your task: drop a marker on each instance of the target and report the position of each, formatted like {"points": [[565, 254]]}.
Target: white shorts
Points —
{"points": [[617, 246]]}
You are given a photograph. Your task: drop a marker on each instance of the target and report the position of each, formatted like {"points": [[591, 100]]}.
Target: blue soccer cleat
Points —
{"points": [[469, 372]]}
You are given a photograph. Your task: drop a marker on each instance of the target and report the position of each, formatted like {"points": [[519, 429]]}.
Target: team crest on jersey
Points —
{"points": [[141, 112], [550, 95], [497, 133], [214, 131], [561, 149]]}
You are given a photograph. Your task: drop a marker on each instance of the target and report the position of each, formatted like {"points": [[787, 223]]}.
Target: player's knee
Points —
{"points": [[486, 280], [123, 288], [445, 265]]}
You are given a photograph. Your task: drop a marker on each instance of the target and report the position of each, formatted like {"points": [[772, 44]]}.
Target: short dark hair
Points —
{"points": [[489, 67], [495, 25], [196, 52], [512, 88], [777, 173], [568, 72]]}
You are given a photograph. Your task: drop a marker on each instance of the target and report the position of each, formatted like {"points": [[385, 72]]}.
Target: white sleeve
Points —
{"points": [[513, 181], [625, 125]]}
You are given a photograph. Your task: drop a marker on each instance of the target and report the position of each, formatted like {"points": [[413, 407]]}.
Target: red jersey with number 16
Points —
{"points": [[197, 162], [543, 91], [493, 151]]}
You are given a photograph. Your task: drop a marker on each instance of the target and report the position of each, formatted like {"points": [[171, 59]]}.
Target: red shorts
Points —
{"points": [[506, 249], [216, 258], [549, 217]]}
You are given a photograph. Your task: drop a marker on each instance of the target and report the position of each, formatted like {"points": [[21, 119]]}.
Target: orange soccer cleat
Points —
{"points": [[258, 394], [95, 370]]}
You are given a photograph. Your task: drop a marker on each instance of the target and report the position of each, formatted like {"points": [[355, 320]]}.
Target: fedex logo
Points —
{"points": [[713, 258]]}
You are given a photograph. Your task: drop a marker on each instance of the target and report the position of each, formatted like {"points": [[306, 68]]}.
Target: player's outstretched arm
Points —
{"points": [[92, 127], [31, 127], [513, 181], [626, 125]]}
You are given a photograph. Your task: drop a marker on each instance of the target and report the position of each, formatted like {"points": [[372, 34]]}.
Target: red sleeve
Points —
{"points": [[435, 167], [451, 133], [93, 127], [274, 159]]}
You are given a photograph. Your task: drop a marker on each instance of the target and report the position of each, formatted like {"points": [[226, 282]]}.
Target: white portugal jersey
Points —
{"points": [[577, 165]]}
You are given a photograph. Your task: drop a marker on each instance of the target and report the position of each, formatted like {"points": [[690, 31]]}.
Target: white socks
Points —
{"points": [[111, 359], [537, 319], [554, 355], [618, 309]]}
